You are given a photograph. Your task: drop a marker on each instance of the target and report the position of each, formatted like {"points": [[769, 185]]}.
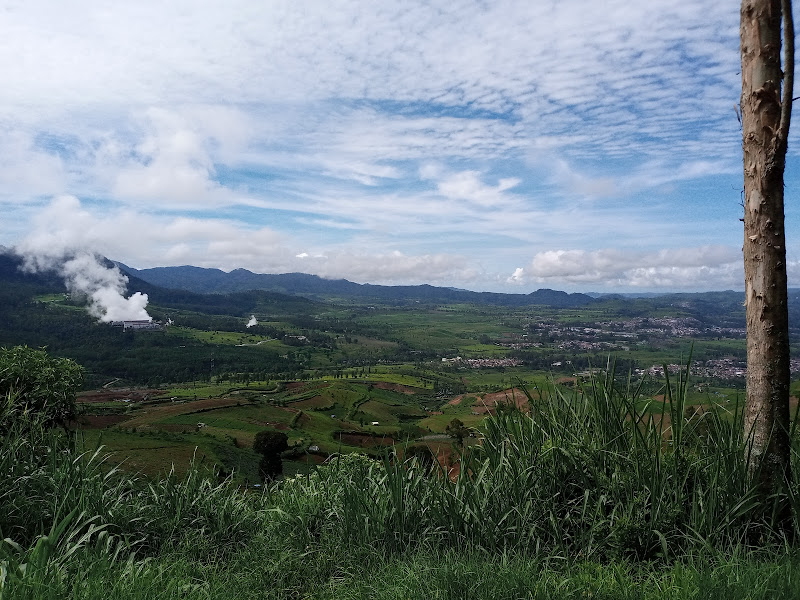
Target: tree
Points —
{"points": [[457, 430], [766, 112], [270, 444], [36, 388]]}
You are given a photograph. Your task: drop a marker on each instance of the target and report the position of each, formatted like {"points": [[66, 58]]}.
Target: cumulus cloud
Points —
{"points": [[517, 277], [139, 238], [26, 170], [173, 163], [705, 267]]}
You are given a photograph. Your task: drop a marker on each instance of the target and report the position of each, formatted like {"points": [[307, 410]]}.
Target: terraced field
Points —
{"points": [[152, 430]]}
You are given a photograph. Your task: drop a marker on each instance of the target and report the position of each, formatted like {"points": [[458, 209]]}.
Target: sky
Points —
{"points": [[488, 145]]}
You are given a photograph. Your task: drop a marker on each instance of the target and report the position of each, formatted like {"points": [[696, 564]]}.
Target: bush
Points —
{"points": [[36, 387]]}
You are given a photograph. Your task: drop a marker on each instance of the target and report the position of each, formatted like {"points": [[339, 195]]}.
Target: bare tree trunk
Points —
{"points": [[765, 122]]}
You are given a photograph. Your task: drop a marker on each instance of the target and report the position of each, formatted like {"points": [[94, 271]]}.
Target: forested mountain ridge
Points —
{"points": [[20, 284], [65, 328], [202, 280]]}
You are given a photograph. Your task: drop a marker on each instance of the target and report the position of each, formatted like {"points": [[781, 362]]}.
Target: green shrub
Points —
{"points": [[36, 387]]}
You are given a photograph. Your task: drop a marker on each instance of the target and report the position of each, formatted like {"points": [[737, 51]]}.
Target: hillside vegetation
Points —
{"points": [[581, 498]]}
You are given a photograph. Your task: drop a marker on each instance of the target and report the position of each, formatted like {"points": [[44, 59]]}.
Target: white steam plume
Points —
{"points": [[86, 276], [60, 242], [252, 321]]}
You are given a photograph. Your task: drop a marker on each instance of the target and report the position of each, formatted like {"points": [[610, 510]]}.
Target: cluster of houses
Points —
{"points": [[482, 363], [721, 368]]}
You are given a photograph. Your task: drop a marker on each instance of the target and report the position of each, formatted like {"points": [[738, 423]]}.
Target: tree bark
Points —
{"points": [[765, 124]]}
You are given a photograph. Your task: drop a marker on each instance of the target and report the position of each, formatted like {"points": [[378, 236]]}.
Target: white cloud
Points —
{"points": [[65, 227], [460, 134], [468, 186], [173, 164], [517, 277], [392, 268], [705, 267], [26, 171]]}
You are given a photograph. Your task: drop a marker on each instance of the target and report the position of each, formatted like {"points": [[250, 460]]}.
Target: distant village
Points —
{"points": [[621, 335]]}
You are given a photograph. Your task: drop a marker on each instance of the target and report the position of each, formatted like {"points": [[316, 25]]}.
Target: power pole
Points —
{"points": [[766, 112]]}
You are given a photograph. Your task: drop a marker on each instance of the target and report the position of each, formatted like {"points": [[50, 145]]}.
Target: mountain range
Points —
{"points": [[202, 280]]}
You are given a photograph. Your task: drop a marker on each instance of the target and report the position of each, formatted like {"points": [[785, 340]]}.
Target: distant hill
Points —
{"points": [[215, 281], [22, 285]]}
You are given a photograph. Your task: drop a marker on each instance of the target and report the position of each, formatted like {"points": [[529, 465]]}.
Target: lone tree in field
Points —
{"points": [[766, 111], [457, 430], [270, 444]]}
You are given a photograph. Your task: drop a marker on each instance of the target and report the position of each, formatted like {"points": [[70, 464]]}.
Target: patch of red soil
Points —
{"points": [[448, 461], [659, 421], [170, 409], [456, 401], [446, 456], [487, 403], [313, 457]]}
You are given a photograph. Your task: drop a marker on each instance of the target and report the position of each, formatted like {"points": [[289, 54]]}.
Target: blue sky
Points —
{"points": [[506, 146]]}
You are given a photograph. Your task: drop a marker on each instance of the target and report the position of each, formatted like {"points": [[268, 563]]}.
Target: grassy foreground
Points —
{"points": [[589, 496]]}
